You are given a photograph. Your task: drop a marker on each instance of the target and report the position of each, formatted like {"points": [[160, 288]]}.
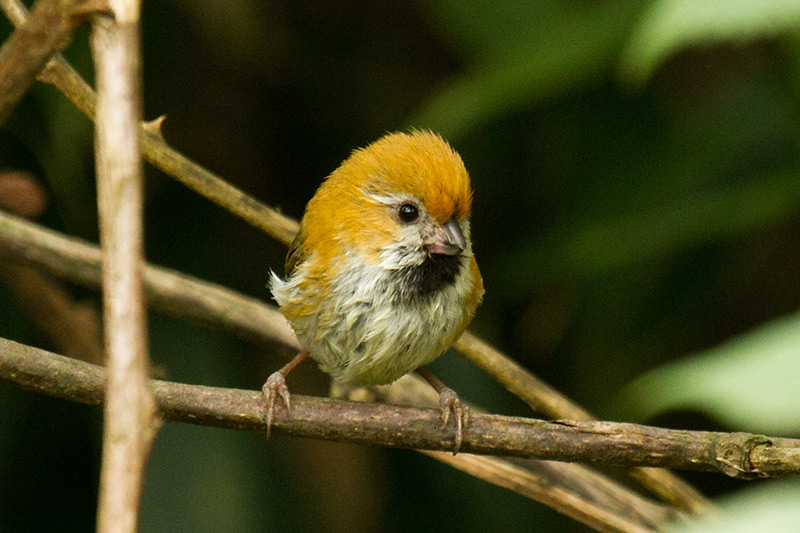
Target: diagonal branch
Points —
{"points": [[48, 30], [539, 486], [171, 292], [60, 73]]}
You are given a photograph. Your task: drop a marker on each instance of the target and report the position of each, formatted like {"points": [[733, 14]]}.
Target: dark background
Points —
{"points": [[636, 200]]}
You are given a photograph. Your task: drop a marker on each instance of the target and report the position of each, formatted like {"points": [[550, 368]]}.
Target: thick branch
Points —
{"points": [[736, 454], [130, 423]]}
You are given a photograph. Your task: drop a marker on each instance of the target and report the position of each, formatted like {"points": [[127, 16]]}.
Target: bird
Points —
{"points": [[381, 279]]}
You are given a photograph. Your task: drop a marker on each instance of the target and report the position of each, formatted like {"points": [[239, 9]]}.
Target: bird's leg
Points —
{"points": [[276, 386], [448, 401]]}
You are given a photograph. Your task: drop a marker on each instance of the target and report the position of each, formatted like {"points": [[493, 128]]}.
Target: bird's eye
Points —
{"points": [[408, 213]]}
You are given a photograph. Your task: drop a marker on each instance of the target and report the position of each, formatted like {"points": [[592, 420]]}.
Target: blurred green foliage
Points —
{"points": [[671, 25], [637, 199], [749, 382], [773, 506]]}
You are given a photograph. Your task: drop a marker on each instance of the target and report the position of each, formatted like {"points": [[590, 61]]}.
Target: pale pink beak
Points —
{"points": [[448, 240]]}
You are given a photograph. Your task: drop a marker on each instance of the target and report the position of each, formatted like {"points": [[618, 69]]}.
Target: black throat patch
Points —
{"points": [[433, 275]]}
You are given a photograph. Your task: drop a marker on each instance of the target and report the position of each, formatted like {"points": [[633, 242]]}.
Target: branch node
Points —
{"points": [[153, 127], [85, 10], [154, 425], [734, 455], [49, 74]]}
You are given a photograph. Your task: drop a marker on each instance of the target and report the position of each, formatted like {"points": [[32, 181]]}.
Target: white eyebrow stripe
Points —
{"points": [[391, 199]]}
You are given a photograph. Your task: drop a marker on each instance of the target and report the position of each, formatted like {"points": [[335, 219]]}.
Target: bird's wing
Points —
{"points": [[296, 254]]}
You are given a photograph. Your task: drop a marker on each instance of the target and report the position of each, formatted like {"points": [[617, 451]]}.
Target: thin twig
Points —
{"points": [[508, 475], [130, 415], [541, 397], [60, 73], [155, 149], [200, 180]]}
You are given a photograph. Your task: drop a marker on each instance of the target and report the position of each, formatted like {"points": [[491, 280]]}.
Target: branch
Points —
{"points": [[543, 398], [130, 421], [571, 489], [48, 30], [74, 328], [543, 481], [738, 455], [167, 291]]}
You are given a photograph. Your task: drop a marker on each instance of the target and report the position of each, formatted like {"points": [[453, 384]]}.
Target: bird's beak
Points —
{"points": [[448, 240]]}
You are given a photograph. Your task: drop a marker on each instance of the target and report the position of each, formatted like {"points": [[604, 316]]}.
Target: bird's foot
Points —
{"points": [[449, 402], [275, 386]]}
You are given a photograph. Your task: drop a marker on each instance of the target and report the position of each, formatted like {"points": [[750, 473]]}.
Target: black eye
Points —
{"points": [[408, 213]]}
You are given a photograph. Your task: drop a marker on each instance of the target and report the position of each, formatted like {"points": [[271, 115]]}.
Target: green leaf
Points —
{"points": [[773, 507], [671, 25], [750, 382]]}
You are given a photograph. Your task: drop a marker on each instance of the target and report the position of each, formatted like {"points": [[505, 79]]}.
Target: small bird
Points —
{"points": [[381, 279]]}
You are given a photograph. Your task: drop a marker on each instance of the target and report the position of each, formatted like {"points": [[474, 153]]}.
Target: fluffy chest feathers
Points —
{"points": [[376, 325]]}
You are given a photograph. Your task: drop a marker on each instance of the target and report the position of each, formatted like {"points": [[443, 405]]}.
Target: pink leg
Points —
{"points": [[448, 402], [276, 386]]}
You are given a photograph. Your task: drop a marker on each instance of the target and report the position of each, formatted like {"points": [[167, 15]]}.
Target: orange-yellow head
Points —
{"points": [[403, 188]]}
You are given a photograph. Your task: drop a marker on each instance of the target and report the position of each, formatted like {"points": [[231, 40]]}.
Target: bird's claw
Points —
{"points": [[275, 386], [450, 402]]}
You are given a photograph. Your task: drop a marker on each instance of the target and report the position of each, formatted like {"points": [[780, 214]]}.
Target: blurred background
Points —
{"points": [[636, 168]]}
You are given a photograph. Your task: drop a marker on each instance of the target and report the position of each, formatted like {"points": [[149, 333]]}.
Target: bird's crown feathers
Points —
{"points": [[349, 211], [418, 164]]}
